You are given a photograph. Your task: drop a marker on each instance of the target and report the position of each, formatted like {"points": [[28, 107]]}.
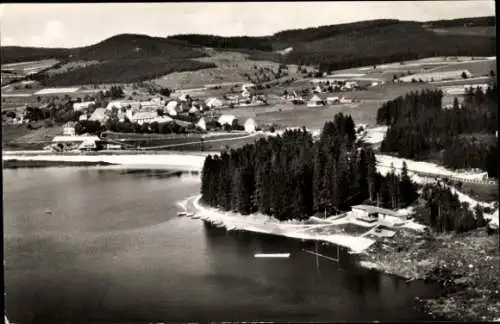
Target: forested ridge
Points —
{"points": [[292, 177], [329, 48], [463, 137]]}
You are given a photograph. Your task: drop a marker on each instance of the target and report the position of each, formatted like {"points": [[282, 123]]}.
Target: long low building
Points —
{"points": [[436, 76], [76, 138]]}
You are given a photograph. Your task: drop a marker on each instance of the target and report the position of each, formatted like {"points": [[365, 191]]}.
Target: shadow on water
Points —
{"points": [[310, 287], [113, 251]]}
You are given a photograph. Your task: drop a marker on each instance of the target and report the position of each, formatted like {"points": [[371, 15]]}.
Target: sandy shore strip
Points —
{"points": [[168, 161], [268, 225]]}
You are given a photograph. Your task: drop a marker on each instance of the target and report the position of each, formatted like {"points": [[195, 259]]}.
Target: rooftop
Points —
{"points": [[374, 209]]}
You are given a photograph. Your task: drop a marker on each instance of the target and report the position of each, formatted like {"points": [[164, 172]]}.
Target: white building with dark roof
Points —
{"points": [[69, 129], [250, 125], [226, 119], [79, 106]]}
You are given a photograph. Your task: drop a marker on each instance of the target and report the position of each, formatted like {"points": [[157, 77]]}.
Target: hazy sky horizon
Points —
{"points": [[79, 24]]}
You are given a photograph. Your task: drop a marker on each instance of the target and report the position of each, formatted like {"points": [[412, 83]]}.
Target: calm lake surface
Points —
{"points": [[113, 250]]}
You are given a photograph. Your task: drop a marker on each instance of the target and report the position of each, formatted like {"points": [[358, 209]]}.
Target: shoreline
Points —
{"points": [[259, 223], [28, 164], [468, 278]]}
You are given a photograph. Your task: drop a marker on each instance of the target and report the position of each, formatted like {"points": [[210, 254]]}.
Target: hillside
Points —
{"points": [[122, 58], [117, 47], [130, 58], [476, 21]]}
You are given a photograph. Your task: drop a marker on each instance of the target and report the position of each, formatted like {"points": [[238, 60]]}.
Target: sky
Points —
{"points": [[80, 24]]}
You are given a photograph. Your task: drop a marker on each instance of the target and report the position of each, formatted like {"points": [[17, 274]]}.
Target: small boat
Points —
{"points": [[181, 214], [272, 255], [189, 214], [195, 216], [48, 211]]}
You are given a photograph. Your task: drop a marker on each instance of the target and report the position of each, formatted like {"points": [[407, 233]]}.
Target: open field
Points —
{"points": [[230, 67], [42, 134], [472, 30], [480, 68], [313, 118], [30, 67], [12, 132], [482, 192]]}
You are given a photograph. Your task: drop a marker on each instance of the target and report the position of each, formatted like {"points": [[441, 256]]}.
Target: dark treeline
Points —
{"points": [[258, 43], [476, 21], [388, 43], [464, 134], [57, 115], [292, 177], [114, 125], [122, 71], [444, 212]]}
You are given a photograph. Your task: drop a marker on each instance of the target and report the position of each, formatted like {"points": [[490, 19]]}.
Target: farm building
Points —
{"points": [[83, 117], [213, 102], [202, 124], [315, 101], [143, 117], [99, 115], [151, 105], [123, 104], [247, 86], [332, 100], [79, 106], [226, 119], [172, 108], [183, 97], [436, 76], [75, 139], [69, 129], [250, 125], [345, 100], [372, 214], [318, 89]]}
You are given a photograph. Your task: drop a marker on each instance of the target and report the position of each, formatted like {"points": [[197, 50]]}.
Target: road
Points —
{"points": [[199, 141]]}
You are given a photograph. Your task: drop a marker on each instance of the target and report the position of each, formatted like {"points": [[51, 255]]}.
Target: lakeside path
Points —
{"points": [[259, 223]]}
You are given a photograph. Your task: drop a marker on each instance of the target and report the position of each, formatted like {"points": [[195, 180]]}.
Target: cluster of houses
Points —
{"points": [[331, 85]]}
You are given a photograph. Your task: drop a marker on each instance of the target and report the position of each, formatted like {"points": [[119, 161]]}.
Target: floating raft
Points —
{"points": [[272, 255]]}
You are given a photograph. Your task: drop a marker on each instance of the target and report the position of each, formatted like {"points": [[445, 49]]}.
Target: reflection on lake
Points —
{"points": [[112, 250]]}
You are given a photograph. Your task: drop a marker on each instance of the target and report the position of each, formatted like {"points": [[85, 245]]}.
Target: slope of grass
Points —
{"points": [[123, 71]]}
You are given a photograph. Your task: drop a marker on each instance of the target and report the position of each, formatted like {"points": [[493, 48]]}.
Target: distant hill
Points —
{"points": [[327, 47], [124, 46], [122, 58], [363, 43], [476, 21]]}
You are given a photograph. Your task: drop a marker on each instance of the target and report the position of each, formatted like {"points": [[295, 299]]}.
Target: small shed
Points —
{"points": [[250, 125], [99, 115], [226, 119], [69, 129], [172, 108], [202, 124], [213, 102], [79, 106], [371, 214]]}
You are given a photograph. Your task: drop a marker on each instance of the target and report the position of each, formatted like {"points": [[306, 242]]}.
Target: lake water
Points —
{"points": [[113, 250]]}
